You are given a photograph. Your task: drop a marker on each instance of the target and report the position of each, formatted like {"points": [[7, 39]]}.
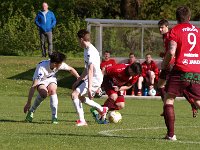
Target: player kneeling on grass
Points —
{"points": [[116, 79], [45, 81]]}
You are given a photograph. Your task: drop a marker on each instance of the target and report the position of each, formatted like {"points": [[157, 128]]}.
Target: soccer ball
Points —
{"points": [[152, 92], [114, 117]]}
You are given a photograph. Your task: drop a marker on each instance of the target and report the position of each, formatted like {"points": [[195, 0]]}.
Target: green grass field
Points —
{"points": [[141, 126]]}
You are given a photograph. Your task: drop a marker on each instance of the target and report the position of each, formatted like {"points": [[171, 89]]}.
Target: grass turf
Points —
{"points": [[141, 126]]}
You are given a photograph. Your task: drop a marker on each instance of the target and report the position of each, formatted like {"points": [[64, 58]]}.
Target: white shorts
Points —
{"points": [[47, 81], [83, 87]]}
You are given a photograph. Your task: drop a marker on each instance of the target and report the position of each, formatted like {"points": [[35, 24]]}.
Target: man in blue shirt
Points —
{"points": [[45, 20]]}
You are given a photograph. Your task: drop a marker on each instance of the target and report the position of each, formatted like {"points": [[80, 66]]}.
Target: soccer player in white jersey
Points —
{"points": [[89, 81], [44, 80]]}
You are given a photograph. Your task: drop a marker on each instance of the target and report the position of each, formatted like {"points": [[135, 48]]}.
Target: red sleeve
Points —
{"points": [[155, 69], [144, 66], [134, 79]]}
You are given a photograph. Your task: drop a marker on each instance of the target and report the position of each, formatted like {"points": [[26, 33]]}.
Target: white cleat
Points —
{"points": [[170, 138], [104, 113], [81, 123]]}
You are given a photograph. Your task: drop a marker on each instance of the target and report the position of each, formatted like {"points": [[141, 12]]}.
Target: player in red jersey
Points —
{"points": [[118, 78], [164, 30], [107, 61], [184, 45], [132, 59], [150, 73]]}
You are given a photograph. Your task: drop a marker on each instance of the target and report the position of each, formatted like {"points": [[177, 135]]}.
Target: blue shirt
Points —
{"points": [[45, 22]]}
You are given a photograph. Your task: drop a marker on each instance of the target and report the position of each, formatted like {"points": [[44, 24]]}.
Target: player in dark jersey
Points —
{"points": [[164, 30], [184, 45]]}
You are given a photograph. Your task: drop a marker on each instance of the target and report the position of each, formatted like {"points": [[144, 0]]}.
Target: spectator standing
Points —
{"points": [[46, 21]]}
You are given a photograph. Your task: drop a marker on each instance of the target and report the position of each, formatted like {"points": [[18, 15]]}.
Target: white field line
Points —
{"points": [[112, 133]]}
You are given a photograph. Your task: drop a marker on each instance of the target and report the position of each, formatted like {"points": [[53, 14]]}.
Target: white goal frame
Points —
{"points": [[100, 24]]}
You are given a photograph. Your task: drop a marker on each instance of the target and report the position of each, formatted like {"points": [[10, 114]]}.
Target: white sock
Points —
{"points": [[36, 103], [54, 105], [79, 109], [93, 104]]}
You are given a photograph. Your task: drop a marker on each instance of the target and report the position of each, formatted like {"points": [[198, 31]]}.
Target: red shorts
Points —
{"points": [[177, 84], [120, 99]]}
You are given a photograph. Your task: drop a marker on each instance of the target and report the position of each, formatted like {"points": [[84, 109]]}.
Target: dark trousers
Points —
{"points": [[43, 36]]}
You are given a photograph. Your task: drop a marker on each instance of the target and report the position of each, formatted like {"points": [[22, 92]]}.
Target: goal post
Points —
{"points": [[124, 36]]}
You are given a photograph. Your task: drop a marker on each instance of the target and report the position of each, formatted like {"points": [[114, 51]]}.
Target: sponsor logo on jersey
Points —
{"points": [[190, 29], [191, 55], [194, 62], [185, 61], [191, 77]]}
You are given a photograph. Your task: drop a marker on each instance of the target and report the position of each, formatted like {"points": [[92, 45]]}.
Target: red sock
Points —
{"points": [[162, 92], [169, 119]]}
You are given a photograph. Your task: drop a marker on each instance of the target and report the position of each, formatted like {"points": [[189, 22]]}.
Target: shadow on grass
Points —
{"points": [[65, 79], [98, 136]]}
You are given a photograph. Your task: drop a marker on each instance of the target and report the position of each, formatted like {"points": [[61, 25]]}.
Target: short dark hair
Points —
{"points": [[107, 52], [182, 14], [57, 57], [85, 34], [136, 68], [163, 22], [131, 54]]}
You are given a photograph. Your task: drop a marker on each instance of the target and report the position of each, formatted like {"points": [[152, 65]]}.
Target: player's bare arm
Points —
{"points": [[30, 95], [122, 88], [73, 72], [83, 75], [169, 55], [90, 75]]}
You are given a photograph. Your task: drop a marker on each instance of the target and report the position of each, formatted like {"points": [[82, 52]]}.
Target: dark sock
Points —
{"points": [[162, 93], [169, 119], [110, 103]]}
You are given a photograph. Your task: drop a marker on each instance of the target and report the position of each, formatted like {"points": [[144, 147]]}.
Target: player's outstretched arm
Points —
{"points": [[83, 75], [30, 96], [73, 72]]}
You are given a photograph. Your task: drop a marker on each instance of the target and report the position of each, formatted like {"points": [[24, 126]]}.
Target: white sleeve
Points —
{"points": [[64, 66], [39, 73]]}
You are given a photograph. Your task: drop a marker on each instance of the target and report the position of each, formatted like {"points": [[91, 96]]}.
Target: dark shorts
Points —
{"points": [[107, 85], [164, 74], [179, 82]]}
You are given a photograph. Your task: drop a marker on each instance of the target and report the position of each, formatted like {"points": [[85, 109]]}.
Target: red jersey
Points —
{"points": [[119, 76], [109, 63], [166, 41], [187, 56], [151, 66]]}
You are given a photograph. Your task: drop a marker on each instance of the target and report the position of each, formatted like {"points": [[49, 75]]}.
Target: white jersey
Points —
{"points": [[91, 56], [43, 70]]}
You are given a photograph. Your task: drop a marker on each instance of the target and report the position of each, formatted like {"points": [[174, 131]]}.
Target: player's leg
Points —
{"points": [[169, 116], [140, 81], [120, 102], [78, 106], [52, 87], [42, 94], [42, 41], [50, 44], [192, 93], [110, 102], [152, 76]]}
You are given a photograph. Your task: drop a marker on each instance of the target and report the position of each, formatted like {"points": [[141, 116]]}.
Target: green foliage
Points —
{"points": [[19, 34]]}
